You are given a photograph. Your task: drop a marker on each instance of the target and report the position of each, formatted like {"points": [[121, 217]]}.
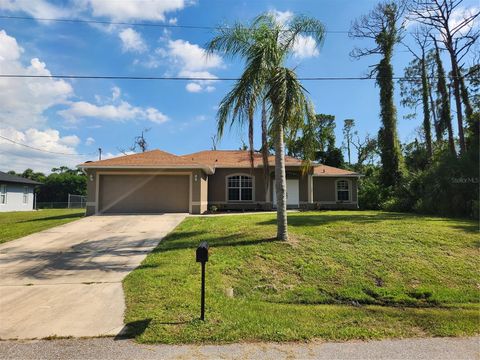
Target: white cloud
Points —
{"points": [[23, 101], [173, 21], [110, 155], [18, 158], [118, 10], [193, 87], [35, 8], [89, 141], [116, 110], [132, 41], [282, 17], [132, 10], [460, 14], [191, 56], [191, 60], [305, 47], [116, 92]]}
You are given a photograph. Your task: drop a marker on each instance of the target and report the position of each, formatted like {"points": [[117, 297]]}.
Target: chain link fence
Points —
{"points": [[73, 202]]}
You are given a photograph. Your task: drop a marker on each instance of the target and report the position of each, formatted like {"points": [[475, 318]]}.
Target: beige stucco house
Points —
{"points": [[156, 182]]}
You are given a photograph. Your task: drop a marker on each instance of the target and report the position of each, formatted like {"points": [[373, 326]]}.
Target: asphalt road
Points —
{"points": [[109, 348]]}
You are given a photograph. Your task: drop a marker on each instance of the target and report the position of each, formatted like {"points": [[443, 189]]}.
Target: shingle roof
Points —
{"points": [[153, 158], [235, 158], [325, 170], [207, 160], [7, 178]]}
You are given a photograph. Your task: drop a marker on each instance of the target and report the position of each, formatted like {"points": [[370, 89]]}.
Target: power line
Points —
{"points": [[183, 78], [105, 22], [42, 150]]}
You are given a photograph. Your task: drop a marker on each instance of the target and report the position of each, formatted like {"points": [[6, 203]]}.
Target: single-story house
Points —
{"points": [[156, 182], [16, 193]]}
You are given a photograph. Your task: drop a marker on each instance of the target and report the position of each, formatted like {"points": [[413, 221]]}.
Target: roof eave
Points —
{"points": [[206, 169], [338, 175]]}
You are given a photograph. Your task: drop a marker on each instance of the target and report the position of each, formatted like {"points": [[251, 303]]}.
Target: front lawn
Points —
{"points": [[343, 275], [16, 224]]}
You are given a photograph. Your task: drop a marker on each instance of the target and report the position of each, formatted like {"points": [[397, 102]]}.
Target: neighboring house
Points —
{"points": [[16, 193], [156, 181]]}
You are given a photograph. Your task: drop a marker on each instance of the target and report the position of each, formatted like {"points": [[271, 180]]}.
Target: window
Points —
{"points": [[239, 188], [25, 194], [343, 190], [3, 194]]}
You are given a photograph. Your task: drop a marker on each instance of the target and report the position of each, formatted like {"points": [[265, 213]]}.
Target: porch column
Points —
{"points": [[310, 189]]}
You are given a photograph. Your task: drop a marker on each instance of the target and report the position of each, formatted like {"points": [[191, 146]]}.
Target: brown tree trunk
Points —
{"points": [[280, 184], [458, 101], [426, 111]]}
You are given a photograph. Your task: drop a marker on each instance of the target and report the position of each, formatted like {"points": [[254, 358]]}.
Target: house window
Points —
{"points": [[343, 190], [240, 188], [25, 194], [3, 194]]}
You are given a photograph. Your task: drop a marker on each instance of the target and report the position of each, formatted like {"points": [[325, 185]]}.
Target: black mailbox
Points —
{"points": [[202, 252]]}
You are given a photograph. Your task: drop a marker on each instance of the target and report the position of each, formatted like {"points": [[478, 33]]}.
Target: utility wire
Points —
{"points": [[105, 22], [183, 78], [42, 150]]}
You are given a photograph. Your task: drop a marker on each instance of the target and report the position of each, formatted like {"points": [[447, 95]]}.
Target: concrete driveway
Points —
{"points": [[67, 281]]}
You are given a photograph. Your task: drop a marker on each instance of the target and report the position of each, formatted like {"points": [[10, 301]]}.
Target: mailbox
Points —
{"points": [[202, 252]]}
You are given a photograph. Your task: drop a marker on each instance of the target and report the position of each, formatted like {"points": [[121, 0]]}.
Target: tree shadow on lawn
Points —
{"points": [[303, 219], [55, 217], [191, 239]]}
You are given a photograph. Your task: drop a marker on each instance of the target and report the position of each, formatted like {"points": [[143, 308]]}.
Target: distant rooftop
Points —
{"points": [[7, 178]]}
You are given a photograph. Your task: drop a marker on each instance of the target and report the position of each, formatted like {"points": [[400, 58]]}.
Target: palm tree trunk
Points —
{"points": [[280, 184], [250, 139], [266, 168]]}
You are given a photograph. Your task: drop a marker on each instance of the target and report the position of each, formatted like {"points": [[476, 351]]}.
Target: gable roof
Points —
{"points": [[7, 178], [325, 170], [235, 159], [147, 159]]}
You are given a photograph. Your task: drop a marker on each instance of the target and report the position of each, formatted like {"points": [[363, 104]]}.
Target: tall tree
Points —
{"points": [[316, 140], [473, 119], [265, 45], [383, 25], [348, 125], [366, 148], [411, 87], [457, 34], [444, 99]]}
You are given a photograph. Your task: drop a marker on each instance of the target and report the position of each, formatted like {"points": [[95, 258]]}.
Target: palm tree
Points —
{"points": [[265, 45]]}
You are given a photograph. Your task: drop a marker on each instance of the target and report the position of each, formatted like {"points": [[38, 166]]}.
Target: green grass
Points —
{"points": [[16, 224], [343, 275]]}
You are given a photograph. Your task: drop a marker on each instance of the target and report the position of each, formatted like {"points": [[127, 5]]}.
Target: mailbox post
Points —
{"points": [[202, 257]]}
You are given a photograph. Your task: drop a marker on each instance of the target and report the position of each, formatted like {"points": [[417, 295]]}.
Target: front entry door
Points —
{"points": [[293, 193]]}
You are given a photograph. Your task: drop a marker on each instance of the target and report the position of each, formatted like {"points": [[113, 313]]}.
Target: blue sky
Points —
{"points": [[78, 116]]}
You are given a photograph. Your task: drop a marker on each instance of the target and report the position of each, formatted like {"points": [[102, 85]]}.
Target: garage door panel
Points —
{"points": [[144, 193]]}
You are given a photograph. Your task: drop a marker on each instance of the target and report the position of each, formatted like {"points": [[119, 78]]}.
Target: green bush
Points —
{"points": [[448, 186]]}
